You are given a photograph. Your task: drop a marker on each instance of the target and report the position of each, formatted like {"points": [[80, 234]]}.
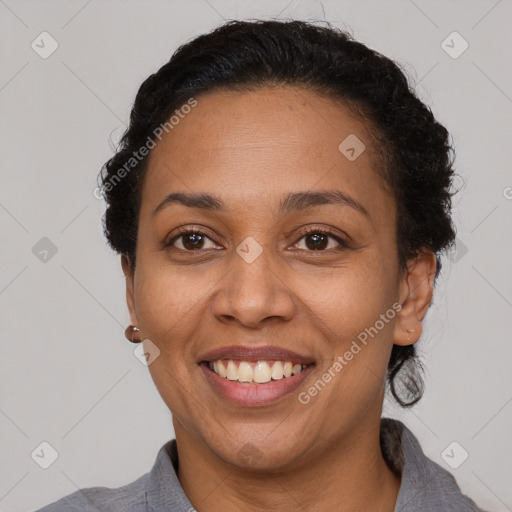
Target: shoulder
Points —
{"points": [[128, 498], [425, 486], [156, 488]]}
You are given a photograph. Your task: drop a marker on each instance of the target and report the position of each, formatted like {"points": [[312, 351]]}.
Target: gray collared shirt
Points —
{"points": [[425, 487]]}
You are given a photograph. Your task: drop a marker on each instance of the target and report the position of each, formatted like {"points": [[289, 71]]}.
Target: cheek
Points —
{"points": [[345, 300], [353, 312], [341, 302], [169, 305], [165, 296], [170, 308]]}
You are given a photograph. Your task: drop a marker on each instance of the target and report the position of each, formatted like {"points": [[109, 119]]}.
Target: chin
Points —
{"points": [[253, 453]]}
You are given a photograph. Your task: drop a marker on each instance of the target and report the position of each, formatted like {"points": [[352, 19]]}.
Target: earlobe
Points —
{"points": [[415, 295], [126, 264], [130, 296]]}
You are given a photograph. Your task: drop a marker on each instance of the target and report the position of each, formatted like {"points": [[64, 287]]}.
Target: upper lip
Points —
{"points": [[253, 354]]}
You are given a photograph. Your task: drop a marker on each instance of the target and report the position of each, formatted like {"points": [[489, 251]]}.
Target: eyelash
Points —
{"points": [[343, 244]]}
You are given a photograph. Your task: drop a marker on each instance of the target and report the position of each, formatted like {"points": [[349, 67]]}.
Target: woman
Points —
{"points": [[280, 202]]}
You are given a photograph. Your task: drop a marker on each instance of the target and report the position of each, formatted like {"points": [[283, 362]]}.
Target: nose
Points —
{"points": [[252, 293]]}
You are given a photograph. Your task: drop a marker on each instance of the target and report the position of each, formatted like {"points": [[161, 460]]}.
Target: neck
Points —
{"points": [[351, 471]]}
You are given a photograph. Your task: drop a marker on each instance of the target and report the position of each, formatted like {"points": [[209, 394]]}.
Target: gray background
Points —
{"points": [[70, 378]]}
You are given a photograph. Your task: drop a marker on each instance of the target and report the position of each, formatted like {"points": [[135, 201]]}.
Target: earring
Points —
{"points": [[132, 332]]}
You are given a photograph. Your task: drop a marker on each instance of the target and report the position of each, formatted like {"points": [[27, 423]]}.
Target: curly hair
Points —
{"points": [[414, 154]]}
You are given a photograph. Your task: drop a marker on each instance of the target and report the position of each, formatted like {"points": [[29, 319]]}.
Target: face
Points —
{"points": [[293, 259]]}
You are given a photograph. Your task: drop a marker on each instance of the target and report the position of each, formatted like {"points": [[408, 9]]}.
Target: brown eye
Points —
{"points": [[191, 240], [319, 240]]}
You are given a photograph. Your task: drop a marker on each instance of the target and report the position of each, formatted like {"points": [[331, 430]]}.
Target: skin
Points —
{"points": [[251, 149]]}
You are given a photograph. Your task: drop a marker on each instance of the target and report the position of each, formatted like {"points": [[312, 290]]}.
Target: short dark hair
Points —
{"points": [[415, 154]]}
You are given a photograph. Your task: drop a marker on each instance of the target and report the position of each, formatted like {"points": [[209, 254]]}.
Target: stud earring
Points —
{"points": [[132, 334]]}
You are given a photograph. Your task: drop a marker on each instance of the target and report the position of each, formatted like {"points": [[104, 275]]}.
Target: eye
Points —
{"points": [[190, 240], [316, 239]]}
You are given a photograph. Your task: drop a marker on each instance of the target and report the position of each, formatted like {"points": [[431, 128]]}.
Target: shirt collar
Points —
{"points": [[164, 491], [425, 485]]}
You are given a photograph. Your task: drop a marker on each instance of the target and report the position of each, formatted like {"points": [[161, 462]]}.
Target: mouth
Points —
{"points": [[259, 372], [255, 376]]}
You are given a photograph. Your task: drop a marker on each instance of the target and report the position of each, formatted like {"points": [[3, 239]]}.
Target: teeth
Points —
{"points": [[297, 368], [245, 373], [260, 372], [232, 371], [221, 369], [277, 370]]}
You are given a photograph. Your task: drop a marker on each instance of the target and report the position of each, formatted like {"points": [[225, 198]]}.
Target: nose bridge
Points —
{"points": [[254, 289], [252, 269]]}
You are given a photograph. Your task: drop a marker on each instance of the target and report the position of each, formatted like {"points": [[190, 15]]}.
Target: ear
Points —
{"points": [[128, 272], [415, 296]]}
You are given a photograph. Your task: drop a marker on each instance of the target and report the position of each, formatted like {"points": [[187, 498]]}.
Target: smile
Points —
{"points": [[259, 372], [255, 376]]}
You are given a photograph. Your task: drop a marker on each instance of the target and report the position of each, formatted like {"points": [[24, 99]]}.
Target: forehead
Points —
{"points": [[251, 146]]}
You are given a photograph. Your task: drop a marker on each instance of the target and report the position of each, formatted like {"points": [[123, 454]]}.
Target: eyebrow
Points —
{"points": [[295, 201]]}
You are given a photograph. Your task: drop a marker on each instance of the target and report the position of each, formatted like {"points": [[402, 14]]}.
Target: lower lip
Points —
{"points": [[252, 394]]}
